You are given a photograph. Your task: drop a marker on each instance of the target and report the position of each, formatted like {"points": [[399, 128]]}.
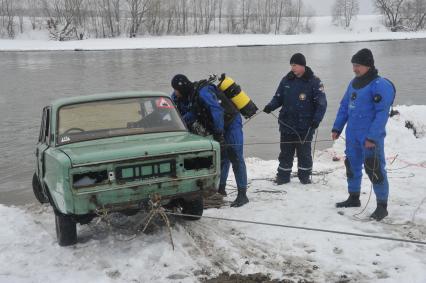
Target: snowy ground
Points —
{"points": [[364, 28], [206, 248]]}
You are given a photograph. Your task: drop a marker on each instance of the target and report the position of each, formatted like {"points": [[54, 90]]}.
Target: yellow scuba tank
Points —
{"points": [[240, 99]]}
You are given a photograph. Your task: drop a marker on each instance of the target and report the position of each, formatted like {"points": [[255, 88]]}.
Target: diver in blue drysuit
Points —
{"points": [[206, 105], [365, 111]]}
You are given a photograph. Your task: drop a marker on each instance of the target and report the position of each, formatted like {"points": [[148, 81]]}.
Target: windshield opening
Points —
{"points": [[119, 117]]}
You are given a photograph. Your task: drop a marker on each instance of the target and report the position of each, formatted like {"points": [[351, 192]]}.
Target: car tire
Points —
{"points": [[38, 190], [193, 207], [66, 230]]}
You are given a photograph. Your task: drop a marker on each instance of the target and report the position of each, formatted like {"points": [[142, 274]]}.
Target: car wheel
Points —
{"points": [[66, 230], [38, 191], [193, 207]]}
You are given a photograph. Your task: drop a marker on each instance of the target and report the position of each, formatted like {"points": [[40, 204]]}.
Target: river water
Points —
{"points": [[30, 80]]}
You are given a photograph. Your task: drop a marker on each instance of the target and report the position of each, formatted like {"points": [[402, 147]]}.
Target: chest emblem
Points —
{"points": [[302, 97]]}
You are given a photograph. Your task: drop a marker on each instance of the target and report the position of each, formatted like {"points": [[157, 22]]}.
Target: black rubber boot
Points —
{"points": [[241, 199], [352, 201], [381, 211], [306, 181], [281, 180], [222, 190]]}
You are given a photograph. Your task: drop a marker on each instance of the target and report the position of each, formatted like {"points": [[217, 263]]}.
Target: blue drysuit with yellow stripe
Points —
{"points": [[216, 123], [365, 111]]}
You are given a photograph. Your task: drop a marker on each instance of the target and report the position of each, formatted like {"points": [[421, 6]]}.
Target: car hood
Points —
{"points": [[130, 147]]}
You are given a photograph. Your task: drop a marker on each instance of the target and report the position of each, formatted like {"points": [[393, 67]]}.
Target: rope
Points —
{"points": [[417, 210], [252, 117], [371, 186], [300, 228], [288, 126], [268, 143], [155, 209], [366, 205], [313, 154]]}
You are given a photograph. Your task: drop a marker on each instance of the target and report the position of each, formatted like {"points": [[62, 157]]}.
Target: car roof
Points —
{"points": [[104, 96]]}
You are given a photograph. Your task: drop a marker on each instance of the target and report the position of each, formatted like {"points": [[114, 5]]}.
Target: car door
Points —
{"points": [[43, 141]]}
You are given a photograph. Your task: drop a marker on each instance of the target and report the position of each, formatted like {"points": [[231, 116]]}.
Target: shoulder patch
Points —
{"points": [[321, 86], [377, 98], [320, 83]]}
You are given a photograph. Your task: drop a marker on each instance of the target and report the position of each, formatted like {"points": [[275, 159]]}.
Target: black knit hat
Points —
{"points": [[363, 57], [298, 59], [182, 84]]}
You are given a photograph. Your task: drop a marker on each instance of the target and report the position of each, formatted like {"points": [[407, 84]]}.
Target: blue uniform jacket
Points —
{"points": [[303, 101], [366, 110], [208, 97]]}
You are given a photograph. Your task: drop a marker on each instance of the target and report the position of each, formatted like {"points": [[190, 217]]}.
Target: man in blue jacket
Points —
{"points": [[205, 104], [364, 110], [301, 95]]}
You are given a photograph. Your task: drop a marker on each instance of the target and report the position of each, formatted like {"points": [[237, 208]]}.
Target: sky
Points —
{"points": [[323, 7]]}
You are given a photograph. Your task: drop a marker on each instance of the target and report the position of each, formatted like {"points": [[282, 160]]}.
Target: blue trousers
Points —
{"points": [[233, 154], [357, 155]]}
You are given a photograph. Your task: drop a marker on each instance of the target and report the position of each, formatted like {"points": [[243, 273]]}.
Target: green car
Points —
{"points": [[115, 152]]}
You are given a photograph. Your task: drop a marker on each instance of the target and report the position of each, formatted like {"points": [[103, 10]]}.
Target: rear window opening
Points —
{"points": [[198, 163], [89, 179]]}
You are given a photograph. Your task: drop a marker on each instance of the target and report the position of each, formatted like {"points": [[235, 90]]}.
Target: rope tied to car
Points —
{"points": [[103, 214], [156, 209]]}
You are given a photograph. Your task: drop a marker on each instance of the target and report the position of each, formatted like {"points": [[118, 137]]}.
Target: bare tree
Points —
{"points": [[154, 20], [232, 18], [344, 11], [108, 15], [279, 8], [391, 9], [414, 14], [220, 15], [171, 13], [294, 11], [262, 17], [8, 13], [66, 18], [184, 16], [33, 11], [246, 13], [137, 9], [210, 13]]}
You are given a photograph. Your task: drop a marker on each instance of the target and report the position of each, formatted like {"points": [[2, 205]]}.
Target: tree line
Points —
{"points": [[399, 15], [80, 19]]}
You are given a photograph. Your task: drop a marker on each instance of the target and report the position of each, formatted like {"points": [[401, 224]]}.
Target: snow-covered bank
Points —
{"points": [[365, 28], [193, 41], [205, 248]]}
